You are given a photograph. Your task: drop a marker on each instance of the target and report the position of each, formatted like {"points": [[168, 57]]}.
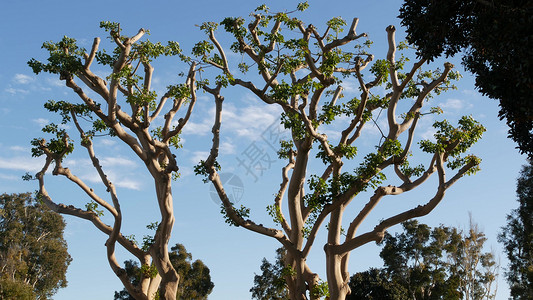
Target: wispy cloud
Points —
{"points": [[22, 79], [201, 128], [122, 172], [107, 142], [9, 177], [227, 148], [198, 156], [454, 104], [117, 161], [41, 121], [21, 163], [18, 149], [246, 122], [14, 91]]}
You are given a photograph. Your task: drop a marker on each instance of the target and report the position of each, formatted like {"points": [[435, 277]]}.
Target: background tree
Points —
{"points": [[375, 284], [195, 280], [426, 263], [496, 40], [298, 67], [517, 237], [271, 284], [125, 107], [33, 253]]}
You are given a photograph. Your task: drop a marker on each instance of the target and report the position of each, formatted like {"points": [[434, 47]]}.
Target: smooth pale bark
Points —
{"points": [[154, 151], [306, 105]]}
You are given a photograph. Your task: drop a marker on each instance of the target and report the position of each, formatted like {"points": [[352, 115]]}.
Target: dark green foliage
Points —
{"points": [[15, 289], [426, 263], [270, 284], [374, 285], [517, 236], [195, 280], [33, 253], [496, 37]]}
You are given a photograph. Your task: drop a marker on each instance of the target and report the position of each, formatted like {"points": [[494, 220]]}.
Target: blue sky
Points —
{"points": [[232, 254]]}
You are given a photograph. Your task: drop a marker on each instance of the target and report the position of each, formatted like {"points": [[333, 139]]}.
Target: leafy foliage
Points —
{"points": [[124, 105], [302, 69], [271, 284], [426, 263], [517, 237], [374, 284], [33, 253], [496, 37]]}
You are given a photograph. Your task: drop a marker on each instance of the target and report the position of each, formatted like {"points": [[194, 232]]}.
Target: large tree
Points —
{"points": [[517, 237], [430, 263], [124, 105], [33, 253], [496, 40], [195, 280], [301, 70]]}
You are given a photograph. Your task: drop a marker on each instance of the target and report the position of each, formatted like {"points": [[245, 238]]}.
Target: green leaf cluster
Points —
{"points": [[93, 206], [455, 141], [242, 212], [202, 170], [65, 58]]}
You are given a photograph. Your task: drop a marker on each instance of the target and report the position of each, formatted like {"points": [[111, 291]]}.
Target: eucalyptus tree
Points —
{"points": [[301, 69], [437, 263], [33, 252], [124, 106]]}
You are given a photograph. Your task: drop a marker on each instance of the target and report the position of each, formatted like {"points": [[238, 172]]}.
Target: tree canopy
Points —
{"points": [[430, 263], [301, 69], [122, 105], [33, 253], [496, 41], [517, 237]]}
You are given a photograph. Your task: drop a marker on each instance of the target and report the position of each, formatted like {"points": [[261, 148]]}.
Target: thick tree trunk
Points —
{"points": [[296, 282], [338, 288], [169, 277]]}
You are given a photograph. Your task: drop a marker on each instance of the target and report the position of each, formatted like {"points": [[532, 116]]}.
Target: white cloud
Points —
{"points": [[198, 156], [333, 135], [247, 122], [429, 134], [120, 171], [128, 183], [227, 148], [120, 179], [25, 164], [41, 121], [22, 79], [201, 128], [453, 104], [350, 86], [107, 142], [18, 149], [9, 177], [13, 91], [117, 161]]}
